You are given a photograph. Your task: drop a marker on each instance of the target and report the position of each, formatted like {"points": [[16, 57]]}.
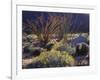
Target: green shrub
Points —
{"points": [[53, 58]]}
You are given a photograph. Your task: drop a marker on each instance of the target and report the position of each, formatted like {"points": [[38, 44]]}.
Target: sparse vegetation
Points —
{"points": [[52, 59], [45, 42]]}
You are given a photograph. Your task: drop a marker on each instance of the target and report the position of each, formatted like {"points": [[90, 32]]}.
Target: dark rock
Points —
{"points": [[26, 49], [29, 52], [82, 54], [36, 52], [82, 49], [49, 46]]}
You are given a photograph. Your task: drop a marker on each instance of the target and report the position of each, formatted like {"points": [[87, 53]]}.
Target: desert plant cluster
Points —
{"points": [[47, 41]]}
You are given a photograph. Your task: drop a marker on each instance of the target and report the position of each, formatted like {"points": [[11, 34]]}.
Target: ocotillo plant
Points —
{"points": [[47, 26]]}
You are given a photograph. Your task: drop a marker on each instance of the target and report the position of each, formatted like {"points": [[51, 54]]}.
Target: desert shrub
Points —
{"points": [[52, 58]]}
